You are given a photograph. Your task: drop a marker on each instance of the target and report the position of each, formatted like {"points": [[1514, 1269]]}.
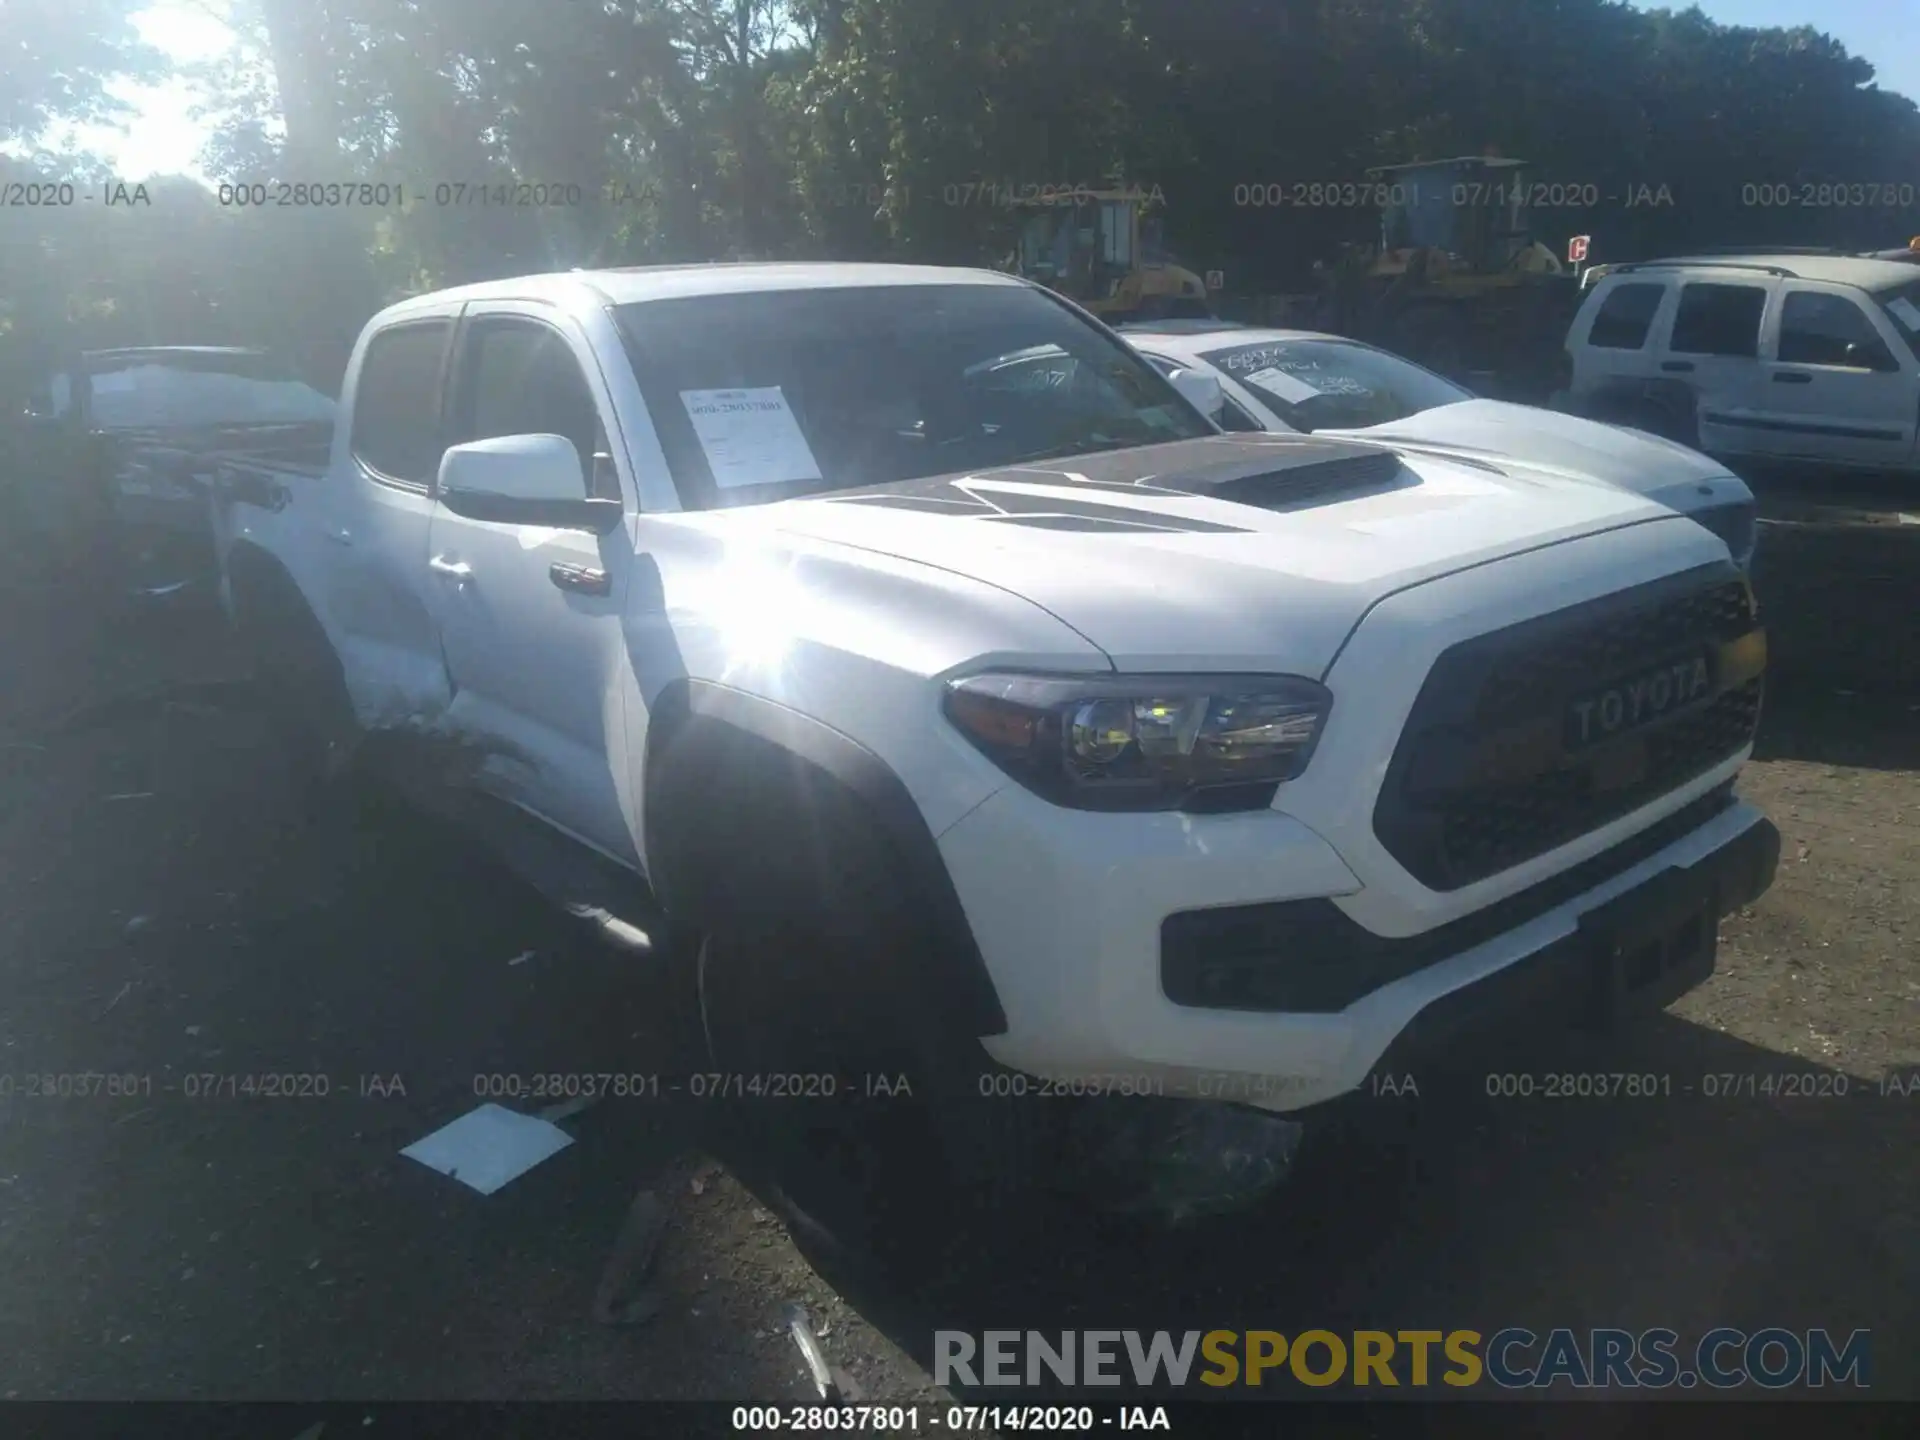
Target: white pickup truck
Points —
{"points": [[973, 710]]}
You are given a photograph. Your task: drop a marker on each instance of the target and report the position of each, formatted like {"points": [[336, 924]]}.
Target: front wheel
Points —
{"points": [[842, 1099]]}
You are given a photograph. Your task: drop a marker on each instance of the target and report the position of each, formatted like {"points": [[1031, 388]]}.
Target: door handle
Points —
{"points": [[337, 536], [1676, 365], [454, 570], [580, 578], [1792, 377]]}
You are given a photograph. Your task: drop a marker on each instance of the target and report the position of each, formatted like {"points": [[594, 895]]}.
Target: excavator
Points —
{"points": [[1103, 250], [1457, 282]]}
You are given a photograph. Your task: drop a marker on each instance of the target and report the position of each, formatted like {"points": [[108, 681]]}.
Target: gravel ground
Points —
{"points": [[166, 911]]}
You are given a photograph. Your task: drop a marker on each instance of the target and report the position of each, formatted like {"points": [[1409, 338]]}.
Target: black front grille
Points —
{"points": [[1484, 778]]}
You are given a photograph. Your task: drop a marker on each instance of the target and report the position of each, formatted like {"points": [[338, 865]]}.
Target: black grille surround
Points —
{"points": [[1484, 779], [1309, 957]]}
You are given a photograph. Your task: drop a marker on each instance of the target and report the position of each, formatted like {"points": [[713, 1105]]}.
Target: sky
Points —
{"points": [[164, 138]]}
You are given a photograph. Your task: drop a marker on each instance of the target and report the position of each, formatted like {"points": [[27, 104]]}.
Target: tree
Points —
{"points": [[61, 56]]}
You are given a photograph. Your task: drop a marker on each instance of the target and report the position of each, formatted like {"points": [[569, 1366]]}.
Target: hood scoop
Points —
{"points": [[1317, 471], [1262, 472]]}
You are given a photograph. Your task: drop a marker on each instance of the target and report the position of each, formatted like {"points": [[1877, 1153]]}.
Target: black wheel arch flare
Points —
{"points": [[733, 783]]}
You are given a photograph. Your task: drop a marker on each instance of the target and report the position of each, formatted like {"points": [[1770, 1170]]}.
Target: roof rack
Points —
{"points": [[1779, 270], [1839, 250]]}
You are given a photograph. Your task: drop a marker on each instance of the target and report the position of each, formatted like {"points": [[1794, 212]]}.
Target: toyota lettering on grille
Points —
{"points": [[1639, 700]]}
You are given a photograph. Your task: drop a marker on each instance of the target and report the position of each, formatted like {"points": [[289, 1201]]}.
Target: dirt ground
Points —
{"points": [[166, 910]]}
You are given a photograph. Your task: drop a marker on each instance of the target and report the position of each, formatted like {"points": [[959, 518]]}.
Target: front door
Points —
{"points": [[530, 617], [1839, 384]]}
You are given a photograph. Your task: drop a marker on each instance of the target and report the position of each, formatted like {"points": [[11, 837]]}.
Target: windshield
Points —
{"points": [[771, 395], [1334, 384], [160, 392], [1903, 305]]}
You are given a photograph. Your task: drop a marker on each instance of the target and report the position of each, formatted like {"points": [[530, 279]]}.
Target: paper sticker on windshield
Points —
{"points": [[1275, 381], [1342, 385], [1908, 312], [750, 437]]}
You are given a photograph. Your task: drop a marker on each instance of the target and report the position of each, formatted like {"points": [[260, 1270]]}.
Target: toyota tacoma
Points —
{"points": [[973, 712]]}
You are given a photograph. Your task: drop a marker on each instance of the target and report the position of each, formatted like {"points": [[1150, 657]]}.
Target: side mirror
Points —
{"points": [[523, 480], [1202, 391], [1870, 357]]}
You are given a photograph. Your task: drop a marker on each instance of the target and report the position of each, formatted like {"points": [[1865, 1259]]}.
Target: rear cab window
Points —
{"points": [[396, 401]]}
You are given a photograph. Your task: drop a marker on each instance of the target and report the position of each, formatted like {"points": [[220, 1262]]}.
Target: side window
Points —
{"points": [[1232, 417], [1625, 317], [519, 377], [1719, 320], [396, 402], [1819, 329]]}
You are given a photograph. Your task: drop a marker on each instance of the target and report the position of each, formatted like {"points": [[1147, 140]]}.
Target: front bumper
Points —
{"points": [[1071, 932], [1575, 981]]}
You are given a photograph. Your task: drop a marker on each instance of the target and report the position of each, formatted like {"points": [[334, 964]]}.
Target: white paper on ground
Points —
{"points": [[750, 436], [1290, 388], [487, 1147], [1906, 310]]}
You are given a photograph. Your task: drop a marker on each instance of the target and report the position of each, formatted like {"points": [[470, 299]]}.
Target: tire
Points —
{"points": [[905, 1158]]}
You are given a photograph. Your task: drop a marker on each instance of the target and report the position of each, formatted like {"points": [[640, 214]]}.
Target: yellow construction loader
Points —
{"points": [[1106, 250], [1456, 281]]}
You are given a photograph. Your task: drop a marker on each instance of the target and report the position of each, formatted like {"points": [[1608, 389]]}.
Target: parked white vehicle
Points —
{"points": [[1796, 358], [975, 711], [1298, 381]]}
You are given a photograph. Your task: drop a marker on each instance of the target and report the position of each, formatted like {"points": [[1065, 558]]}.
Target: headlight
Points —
{"points": [[1737, 524], [1144, 742]]}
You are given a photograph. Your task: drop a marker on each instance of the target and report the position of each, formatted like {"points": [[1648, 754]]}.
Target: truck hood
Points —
{"points": [[1547, 441], [1246, 551]]}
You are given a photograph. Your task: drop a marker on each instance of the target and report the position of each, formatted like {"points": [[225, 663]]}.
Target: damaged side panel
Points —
{"points": [[356, 550]]}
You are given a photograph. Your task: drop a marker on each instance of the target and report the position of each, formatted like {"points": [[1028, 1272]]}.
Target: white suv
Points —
{"points": [[1790, 357]]}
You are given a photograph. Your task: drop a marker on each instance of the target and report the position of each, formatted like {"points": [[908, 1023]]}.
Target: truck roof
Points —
{"points": [[633, 284]]}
